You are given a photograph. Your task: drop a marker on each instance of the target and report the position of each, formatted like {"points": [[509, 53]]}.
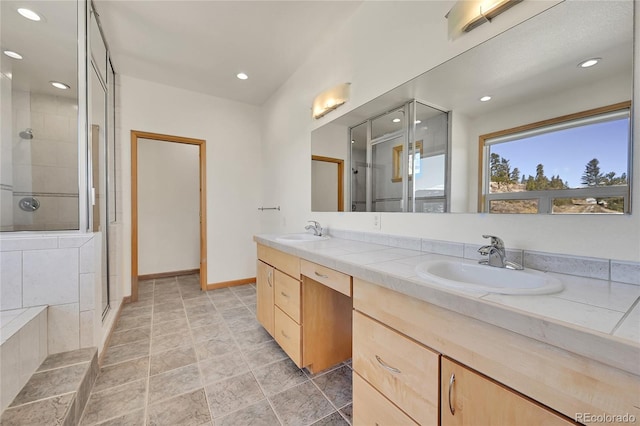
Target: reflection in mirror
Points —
{"points": [[406, 148], [530, 72]]}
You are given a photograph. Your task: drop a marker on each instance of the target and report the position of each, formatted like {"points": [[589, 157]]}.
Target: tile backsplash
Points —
{"points": [[588, 267]]}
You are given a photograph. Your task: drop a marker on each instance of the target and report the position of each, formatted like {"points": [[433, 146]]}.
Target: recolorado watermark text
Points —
{"points": [[605, 418]]}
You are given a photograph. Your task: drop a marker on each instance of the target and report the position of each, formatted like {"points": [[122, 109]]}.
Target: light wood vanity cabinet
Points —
{"points": [[373, 408], [264, 295], [404, 371], [403, 358], [305, 307], [469, 398]]}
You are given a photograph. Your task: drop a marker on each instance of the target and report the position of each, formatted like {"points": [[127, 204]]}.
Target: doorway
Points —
{"points": [[186, 154], [327, 194]]}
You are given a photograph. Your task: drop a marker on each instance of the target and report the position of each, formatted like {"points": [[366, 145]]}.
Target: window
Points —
{"points": [[573, 164]]}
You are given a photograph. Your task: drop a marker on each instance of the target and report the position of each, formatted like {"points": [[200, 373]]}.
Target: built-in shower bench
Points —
{"points": [[57, 392]]}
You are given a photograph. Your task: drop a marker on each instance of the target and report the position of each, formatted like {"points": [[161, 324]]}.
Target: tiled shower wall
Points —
{"points": [[59, 271], [45, 167]]}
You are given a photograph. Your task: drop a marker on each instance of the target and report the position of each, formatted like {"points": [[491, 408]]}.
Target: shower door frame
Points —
{"points": [[135, 135]]}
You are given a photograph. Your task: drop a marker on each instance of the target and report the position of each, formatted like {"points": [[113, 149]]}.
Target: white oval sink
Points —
{"points": [[300, 238], [484, 278]]}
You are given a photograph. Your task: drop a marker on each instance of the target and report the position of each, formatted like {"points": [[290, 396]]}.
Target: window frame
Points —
{"points": [[545, 198]]}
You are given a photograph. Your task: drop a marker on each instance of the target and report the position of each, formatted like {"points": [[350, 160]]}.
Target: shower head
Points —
{"points": [[26, 134]]}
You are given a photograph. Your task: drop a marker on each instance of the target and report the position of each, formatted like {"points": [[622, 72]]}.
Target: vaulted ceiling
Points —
{"points": [[203, 45]]}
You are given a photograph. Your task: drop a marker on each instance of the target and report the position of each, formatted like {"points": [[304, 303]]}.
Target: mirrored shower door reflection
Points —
{"points": [[404, 156]]}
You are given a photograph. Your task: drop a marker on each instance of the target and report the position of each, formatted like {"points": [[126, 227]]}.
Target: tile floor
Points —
{"points": [[182, 357]]}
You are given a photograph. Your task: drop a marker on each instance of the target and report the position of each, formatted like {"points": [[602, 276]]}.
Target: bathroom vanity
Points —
{"points": [[427, 355], [306, 307]]}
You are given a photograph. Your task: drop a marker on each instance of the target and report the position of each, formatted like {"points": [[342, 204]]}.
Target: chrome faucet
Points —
{"points": [[317, 229], [496, 253]]}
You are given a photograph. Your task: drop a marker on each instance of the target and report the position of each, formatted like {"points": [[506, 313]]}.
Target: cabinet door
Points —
{"points": [[472, 399], [264, 290]]}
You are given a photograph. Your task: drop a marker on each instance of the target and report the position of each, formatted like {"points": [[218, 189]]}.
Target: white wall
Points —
{"points": [[232, 134], [168, 207], [331, 141], [412, 34]]}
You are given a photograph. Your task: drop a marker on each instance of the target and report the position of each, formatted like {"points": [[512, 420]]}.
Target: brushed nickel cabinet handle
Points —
{"points": [[269, 277], [320, 275], [284, 334], [451, 382], [387, 366], [284, 294]]}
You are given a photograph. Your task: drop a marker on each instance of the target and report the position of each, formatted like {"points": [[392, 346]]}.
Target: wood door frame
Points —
{"points": [[135, 135], [340, 164]]}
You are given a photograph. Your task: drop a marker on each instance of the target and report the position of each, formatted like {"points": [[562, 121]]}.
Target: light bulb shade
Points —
{"points": [[466, 15], [330, 99]]}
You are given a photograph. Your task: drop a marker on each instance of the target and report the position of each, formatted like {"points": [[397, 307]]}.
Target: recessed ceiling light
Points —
{"points": [[29, 14], [589, 62], [242, 76], [59, 85], [485, 98], [12, 54], [352, 141], [396, 120]]}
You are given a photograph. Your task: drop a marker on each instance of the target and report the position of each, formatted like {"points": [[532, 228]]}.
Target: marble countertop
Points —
{"points": [[595, 318]]}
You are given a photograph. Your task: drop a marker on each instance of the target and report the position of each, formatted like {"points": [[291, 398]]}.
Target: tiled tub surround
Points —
{"points": [[23, 347], [593, 316], [182, 357]]}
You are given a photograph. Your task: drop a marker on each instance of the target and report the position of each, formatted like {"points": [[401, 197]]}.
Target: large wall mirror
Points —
{"points": [[502, 155]]}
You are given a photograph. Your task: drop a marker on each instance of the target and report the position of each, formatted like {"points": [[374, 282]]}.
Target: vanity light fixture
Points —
{"points": [[12, 54], [466, 15], [330, 99], [418, 121], [242, 76], [59, 85], [396, 120], [29, 14], [589, 62], [485, 98]]}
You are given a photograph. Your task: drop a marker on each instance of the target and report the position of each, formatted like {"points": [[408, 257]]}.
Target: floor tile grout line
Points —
{"points": [[329, 399], [193, 344], [243, 355], [148, 387]]}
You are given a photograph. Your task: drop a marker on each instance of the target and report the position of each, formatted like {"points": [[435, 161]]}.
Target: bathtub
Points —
{"points": [[23, 347]]}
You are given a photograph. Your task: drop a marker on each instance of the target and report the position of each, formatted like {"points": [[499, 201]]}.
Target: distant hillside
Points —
{"points": [[575, 206]]}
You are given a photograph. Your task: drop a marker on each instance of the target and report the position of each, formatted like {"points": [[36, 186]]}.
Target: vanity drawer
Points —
{"points": [[371, 408], [404, 371], [329, 277], [287, 333], [287, 295], [285, 262]]}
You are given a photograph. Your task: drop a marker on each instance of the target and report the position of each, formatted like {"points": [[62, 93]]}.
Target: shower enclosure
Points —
{"points": [[57, 124], [399, 160]]}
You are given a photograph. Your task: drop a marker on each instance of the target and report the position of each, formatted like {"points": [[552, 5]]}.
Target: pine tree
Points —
{"points": [[592, 175], [515, 175]]}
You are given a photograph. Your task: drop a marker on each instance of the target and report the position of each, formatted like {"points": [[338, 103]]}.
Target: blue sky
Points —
{"points": [[567, 152]]}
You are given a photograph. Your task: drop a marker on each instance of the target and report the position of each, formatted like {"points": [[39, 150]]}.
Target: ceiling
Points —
{"points": [[202, 45]]}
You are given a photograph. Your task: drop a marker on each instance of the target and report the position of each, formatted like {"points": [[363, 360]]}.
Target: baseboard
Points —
{"points": [[168, 274], [224, 284]]}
